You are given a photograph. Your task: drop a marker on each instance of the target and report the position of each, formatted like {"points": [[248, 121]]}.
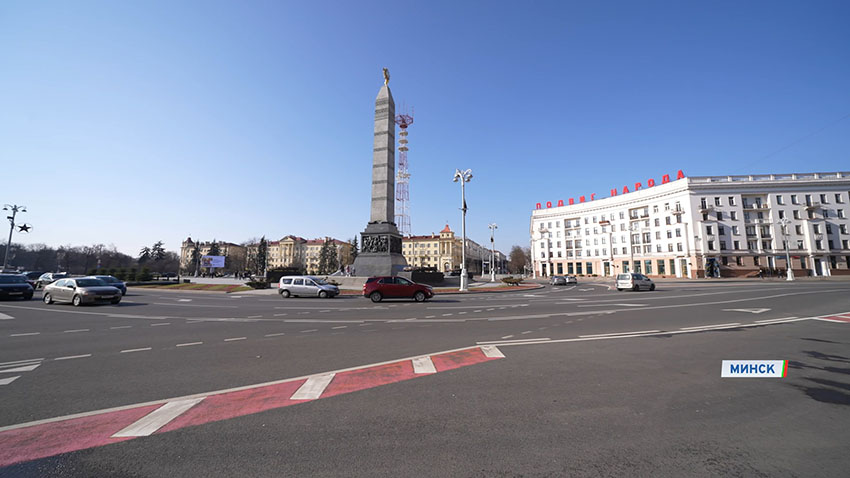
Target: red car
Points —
{"points": [[378, 288]]}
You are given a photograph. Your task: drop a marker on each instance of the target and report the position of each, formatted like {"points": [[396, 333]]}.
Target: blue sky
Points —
{"points": [[132, 122]]}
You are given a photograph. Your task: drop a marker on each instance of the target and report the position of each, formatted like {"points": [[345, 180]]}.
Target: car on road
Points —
{"points": [[635, 282], [13, 286], [379, 288], [306, 286], [563, 280], [49, 278], [81, 290], [114, 282]]}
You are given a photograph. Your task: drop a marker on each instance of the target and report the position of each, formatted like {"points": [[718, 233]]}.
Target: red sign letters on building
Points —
{"points": [[614, 191]]}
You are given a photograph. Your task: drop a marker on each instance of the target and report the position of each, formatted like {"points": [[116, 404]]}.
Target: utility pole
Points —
{"points": [[493, 228], [464, 177], [23, 228]]}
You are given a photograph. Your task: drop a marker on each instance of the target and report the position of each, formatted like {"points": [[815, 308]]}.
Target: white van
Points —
{"points": [[634, 282], [306, 286]]}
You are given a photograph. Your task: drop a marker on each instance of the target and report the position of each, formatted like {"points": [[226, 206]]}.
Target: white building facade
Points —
{"points": [[717, 226]]}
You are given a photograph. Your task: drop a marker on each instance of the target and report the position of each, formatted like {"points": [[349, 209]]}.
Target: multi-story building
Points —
{"points": [[443, 252], [235, 254], [715, 226], [289, 251]]}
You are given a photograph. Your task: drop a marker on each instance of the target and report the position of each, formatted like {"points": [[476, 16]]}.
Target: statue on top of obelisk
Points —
{"points": [[381, 243]]}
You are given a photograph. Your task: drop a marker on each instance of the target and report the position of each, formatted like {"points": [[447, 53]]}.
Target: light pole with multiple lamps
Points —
{"points": [[789, 275], [464, 177], [493, 228], [22, 228]]}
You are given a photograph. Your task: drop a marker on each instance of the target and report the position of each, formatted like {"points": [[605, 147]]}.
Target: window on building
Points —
{"points": [[739, 260], [666, 206], [829, 228], [679, 247], [779, 200], [719, 215], [733, 215], [838, 198], [796, 214], [655, 208], [721, 230], [716, 201], [705, 217], [658, 234], [735, 230], [808, 199], [731, 200], [702, 203], [756, 260], [670, 247], [794, 199], [709, 230], [840, 213], [736, 245], [624, 250], [823, 199], [781, 214], [818, 244], [710, 245], [816, 228], [724, 260], [842, 228], [657, 222], [844, 244], [830, 244], [746, 217], [810, 214], [722, 245], [660, 267], [667, 220]]}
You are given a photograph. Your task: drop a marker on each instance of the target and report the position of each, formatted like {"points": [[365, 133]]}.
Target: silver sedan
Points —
{"points": [[81, 291]]}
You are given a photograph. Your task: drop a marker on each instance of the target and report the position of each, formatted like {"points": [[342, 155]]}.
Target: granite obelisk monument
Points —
{"points": [[380, 245]]}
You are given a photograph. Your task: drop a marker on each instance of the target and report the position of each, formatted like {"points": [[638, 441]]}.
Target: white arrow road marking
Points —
{"points": [[313, 387], [7, 381], [158, 418], [6, 317], [423, 365], [752, 311], [25, 368]]}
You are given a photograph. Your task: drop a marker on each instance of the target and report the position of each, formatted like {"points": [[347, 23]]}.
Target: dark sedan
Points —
{"points": [[13, 286], [114, 282]]}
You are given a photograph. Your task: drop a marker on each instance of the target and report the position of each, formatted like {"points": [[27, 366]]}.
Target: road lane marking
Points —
{"points": [[707, 326], [339, 327], [157, 418], [491, 351], [187, 344], [7, 381], [6, 317], [606, 305], [235, 338], [121, 327], [73, 357], [621, 333], [21, 361], [161, 323], [313, 387], [184, 300], [526, 332], [423, 365], [774, 320], [75, 331], [309, 330], [23, 368], [25, 334], [144, 349], [751, 311], [274, 335], [509, 336], [198, 305]]}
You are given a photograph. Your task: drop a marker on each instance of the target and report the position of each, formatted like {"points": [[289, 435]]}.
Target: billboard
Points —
{"points": [[212, 261]]}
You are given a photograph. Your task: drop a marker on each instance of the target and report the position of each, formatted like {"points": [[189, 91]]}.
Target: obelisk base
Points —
{"points": [[380, 252]]}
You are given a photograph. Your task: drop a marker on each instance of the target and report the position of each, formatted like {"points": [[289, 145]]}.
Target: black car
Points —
{"points": [[114, 282], [15, 286], [32, 277]]}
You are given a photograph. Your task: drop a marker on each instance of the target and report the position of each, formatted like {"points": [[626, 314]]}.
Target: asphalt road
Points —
{"points": [[593, 382]]}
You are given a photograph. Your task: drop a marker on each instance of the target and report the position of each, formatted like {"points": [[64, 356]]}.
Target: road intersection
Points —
{"points": [[164, 349]]}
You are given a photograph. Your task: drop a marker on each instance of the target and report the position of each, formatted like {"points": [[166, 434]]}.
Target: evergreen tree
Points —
{"points": [[328, 262], [262, 256], [215, 249], [196, 258], [354, 247], [157, 253], [144, 255]]}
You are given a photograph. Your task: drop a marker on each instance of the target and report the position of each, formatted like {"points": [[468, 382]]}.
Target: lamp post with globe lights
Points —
{"points": [[22, 228], [784, 222], [463, 177], [493, 228]]}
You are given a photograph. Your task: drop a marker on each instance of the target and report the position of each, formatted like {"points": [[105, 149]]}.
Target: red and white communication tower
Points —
{"points": [[402, 191]]}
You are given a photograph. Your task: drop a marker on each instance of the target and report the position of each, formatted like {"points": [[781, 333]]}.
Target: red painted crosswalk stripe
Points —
{"points": [[31, 441]]}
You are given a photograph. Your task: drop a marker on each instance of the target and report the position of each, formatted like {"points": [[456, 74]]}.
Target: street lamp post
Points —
{"points": [[493, 228], [15, 210], [464, 177], [789, 275]]}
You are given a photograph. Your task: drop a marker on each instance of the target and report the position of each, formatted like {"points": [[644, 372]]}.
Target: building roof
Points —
{"points": [[446, 229]]}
